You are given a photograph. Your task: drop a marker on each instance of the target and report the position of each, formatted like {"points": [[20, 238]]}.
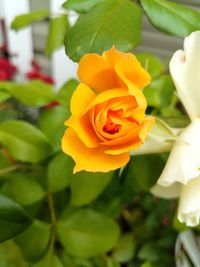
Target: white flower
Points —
{"points": [[181, 175]]}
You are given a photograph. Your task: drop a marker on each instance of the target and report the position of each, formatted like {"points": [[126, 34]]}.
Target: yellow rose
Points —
{"points": [[108, 112]]}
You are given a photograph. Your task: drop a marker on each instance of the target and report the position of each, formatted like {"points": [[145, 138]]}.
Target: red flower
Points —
{"points": [[36, 73], [7, 69]]}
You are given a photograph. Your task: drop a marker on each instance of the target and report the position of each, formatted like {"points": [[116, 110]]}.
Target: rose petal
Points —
{"points": [[106, 96], [184, 160], [90, 159], [189, 206], [184, 68], [132, 141], [128, 64], [83, 128], [172, 191], [133, 90], [148, 124], [120, 112], [97, 73], [81, 98]]}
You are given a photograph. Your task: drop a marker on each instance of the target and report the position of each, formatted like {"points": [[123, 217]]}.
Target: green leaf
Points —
{"points": [[4, 161], [125, 248], [178, 226], [24, 141], [150, 251], [172, 18], [57, 30], [25, 20], [34, 93], [65, 93], [160, 92], [140, 173], [151, 63], [102, 27], [10, 253], [86, 186], [13, 219], [146, 264], [8, 114], [112, 262], [23, 189], [87, 233], [4, 96], [80, 6], [51, 123], [34, 241], [60, 169], [49, 260]]}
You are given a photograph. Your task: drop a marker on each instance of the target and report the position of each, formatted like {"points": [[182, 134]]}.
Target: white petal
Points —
{"points": [[185, 71], [171, 191], [184, 160], [189, 206]]}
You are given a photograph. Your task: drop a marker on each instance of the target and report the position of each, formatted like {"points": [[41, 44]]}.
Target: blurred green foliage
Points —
{"points": [[54, 218]]}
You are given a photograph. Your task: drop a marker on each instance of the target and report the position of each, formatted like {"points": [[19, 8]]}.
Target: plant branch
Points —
{"points": [[11, 169], [52, 218]]}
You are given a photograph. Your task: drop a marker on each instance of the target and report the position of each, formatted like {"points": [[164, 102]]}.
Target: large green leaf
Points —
{"points": [[87, 233], [111, 22], [60, 169], [66, 92], [80, 6], [34, 241], [50, 259], [86, 186], [4, 161], [160, 92], [151, 63], [8, 114], [4, 96], [34, 93], [24, 141], [25, 20], [23, 189], [125, 248], [172, 18], [13, 219], [51, 123], [10, 253], [57, 30]]}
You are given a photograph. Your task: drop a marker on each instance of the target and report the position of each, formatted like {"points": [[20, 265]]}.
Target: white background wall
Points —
{"points": [[20, 43]]}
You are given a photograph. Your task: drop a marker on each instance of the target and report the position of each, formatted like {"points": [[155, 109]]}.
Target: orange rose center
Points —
{"points": [[111, 127]]}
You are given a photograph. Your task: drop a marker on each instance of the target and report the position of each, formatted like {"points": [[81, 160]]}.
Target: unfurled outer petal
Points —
{"points": [[91, 159], [189, 206], [185, 70], [184, 160], [128, 64], [102, 72], [181, 175]]}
